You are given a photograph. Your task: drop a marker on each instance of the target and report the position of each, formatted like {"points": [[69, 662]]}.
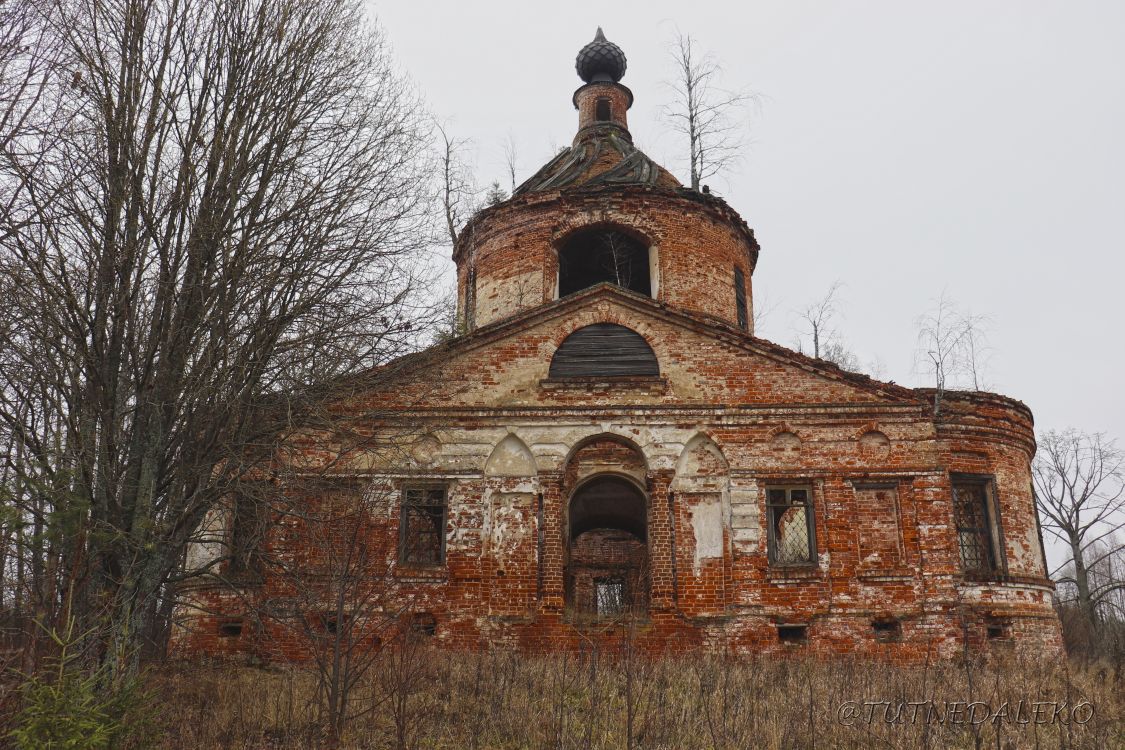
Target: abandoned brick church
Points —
{"points": [[609, 448]]}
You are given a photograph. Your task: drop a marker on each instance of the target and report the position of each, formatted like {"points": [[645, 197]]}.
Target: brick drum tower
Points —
{"points": [[609, 448]]}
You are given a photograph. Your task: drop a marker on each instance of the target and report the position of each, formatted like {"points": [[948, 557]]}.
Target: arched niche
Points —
{"points": [[603, 254], [701, 465], [786, 444], [604, 350], [425, 449], [874, 443], [510, 458]]}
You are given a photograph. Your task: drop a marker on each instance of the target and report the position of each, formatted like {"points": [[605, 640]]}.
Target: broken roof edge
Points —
{"points": [[479, 224]]}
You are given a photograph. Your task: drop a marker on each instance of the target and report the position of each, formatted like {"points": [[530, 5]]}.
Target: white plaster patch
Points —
{"points": [[512, 522], [707, 525]]}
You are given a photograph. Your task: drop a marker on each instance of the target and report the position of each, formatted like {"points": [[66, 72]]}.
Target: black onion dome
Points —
{"points": [[600, 60]]}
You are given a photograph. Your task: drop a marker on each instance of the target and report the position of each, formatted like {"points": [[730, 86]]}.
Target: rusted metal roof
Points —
{"points": [[604, 157]]}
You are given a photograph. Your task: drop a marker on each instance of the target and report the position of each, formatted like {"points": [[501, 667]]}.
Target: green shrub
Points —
{"points": [[66, 706]]}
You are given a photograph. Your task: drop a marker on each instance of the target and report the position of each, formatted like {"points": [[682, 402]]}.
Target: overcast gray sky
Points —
{"points": [[901, 148]]}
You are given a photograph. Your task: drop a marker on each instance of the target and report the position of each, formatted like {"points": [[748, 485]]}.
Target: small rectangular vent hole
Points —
{"points": [[793, 633], [887, 630], [230, 628]]}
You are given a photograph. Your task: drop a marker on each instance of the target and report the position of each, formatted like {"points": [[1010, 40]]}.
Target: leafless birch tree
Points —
{"points": [[817, 317], [707, 115], [952, 345], [511, 159], [219, 213]]}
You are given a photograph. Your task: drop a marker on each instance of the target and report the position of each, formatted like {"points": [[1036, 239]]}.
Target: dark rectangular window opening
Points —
{"points": [[248, 525], [887, 630], [740, 299], [422, 526], [795, 634], [790, 534], [976, 526], [231, 628]]}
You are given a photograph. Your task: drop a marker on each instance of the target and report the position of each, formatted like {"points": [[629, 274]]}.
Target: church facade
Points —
{"points": [[609, 451]]}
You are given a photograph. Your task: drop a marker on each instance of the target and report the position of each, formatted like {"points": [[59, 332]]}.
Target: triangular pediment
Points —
{"points": [[703, 362]]}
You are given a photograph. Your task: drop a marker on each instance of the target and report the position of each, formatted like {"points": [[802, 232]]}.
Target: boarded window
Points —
{"points": [[789, 510], [603, 349], [601, 110], [973, 518], [423, 624], [597, 255], [422, 528], [740, 299]]}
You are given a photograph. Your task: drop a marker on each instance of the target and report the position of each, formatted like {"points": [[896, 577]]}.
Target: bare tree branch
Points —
{"points": [[709, 116]]}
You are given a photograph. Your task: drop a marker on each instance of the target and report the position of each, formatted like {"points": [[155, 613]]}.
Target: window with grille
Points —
{"points": [[974, 520], [740, 299], [422, 529], [790, 538]]}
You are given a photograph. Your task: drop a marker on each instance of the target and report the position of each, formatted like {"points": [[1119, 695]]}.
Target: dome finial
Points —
{"points": [[600, 60]]}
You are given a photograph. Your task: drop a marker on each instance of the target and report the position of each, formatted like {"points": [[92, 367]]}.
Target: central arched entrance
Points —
{"points": [[607, 548]]}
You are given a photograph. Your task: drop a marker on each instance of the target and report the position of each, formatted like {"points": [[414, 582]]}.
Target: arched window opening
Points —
{"points": [[601, 110], [604, 350], [607, 571], [593, 256]]}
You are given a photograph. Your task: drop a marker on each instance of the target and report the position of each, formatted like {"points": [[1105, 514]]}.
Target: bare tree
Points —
{"points": [[817, 318], [340, 599], [953, 345], [837, 353], [220, 213], [511, 158], [709, 116], [1079, 482], [459, 193]]}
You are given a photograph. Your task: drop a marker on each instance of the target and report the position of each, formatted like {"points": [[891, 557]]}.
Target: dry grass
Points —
{"points": [[508, 701]]}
